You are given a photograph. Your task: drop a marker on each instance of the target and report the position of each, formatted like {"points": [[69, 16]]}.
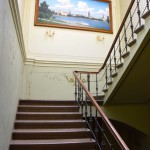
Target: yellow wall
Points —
{"points": [[137, 116]]}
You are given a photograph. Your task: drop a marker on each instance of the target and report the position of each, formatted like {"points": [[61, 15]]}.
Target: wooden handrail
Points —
{"points": [[104, 117], [113, 131], [114, 42]]}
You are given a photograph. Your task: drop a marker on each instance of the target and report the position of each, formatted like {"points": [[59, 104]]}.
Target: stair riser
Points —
{"points": [[47, 116], [72, 146], [44, 109], [49, 125], [47, 103], [54, 135]]}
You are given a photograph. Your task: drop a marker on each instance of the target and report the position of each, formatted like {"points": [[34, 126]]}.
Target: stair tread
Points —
{"points": [[58, 141], [46, 100], [119, 65], [52, 106], [49, 121], [49, 113], [50, 130], [114, 74], [50, 124]]}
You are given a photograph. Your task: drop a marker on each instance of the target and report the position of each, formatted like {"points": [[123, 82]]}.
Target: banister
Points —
{"points": [[108, 76], [103, 116], [117, 35], [114, 42]]}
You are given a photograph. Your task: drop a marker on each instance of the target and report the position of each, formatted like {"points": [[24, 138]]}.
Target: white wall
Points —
{"points": [[123, 5], [66, 45], [11, 72], [55, 83]]}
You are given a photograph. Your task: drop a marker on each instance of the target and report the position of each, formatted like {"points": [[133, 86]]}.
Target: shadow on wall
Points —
{"points": [[135, 139]]}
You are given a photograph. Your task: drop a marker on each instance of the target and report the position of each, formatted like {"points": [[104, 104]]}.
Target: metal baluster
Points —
{"points": [[131, 26], [82, 101], [139, 12], [106, 77], [79, 93], [120, 50], [147, 4], [86, 98], [115, 58], [76, 92], [110, 69], [75, 89], [96, 85], [96, 90], [125, 38], [90, 120], [111, 147], [86, 112], [88, 81], [103, 142], [96, 132], [81, 96]]}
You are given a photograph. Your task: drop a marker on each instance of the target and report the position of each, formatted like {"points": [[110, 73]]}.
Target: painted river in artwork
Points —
{"points": [[81, 22]]}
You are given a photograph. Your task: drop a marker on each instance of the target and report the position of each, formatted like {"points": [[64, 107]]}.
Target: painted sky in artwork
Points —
{"points": [[96, 8]]}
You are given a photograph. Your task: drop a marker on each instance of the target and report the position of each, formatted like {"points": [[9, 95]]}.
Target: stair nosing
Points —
{"points": [[45, 106], [51, 130], [58, 141], [48, 113], [48, 121]]}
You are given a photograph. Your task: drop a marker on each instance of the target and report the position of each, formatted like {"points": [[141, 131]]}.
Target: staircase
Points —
{"points": [[45, 125]]}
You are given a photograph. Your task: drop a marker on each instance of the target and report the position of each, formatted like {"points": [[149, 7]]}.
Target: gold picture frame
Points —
{"points": [[88, 15]]}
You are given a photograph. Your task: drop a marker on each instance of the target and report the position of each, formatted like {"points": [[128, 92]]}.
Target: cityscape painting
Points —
{"points": [[90, 15]]}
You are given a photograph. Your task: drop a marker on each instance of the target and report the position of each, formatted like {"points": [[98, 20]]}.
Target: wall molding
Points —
{"points": [[17, 22], [63, 64], [37, 62]]}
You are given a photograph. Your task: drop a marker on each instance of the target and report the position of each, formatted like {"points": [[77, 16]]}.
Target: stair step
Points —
{"points": [[125, 54], [139, 29], [119, 65], [109, 83], [146, 14], [38, 108], [113, 75], [99, 97], [49, 124], [47, 102], [132, 43], [105, 90], [45, 125], [47, 116], [29, 134], [63, 144]]}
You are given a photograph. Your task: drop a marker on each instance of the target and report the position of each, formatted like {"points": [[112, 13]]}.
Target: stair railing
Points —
{"points": [[89, 85]]}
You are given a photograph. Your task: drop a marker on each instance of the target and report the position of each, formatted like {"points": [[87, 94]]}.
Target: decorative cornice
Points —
{"points": [[63, 64], [28, 61]]}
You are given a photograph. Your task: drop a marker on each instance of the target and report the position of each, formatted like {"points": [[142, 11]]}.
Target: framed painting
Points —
{"points": [[89, 15]]}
